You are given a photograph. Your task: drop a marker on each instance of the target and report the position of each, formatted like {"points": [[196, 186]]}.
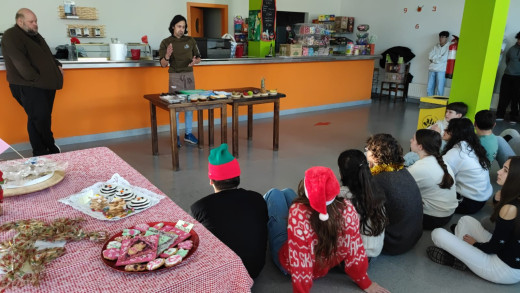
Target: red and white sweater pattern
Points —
{"points": [[297, 255]]}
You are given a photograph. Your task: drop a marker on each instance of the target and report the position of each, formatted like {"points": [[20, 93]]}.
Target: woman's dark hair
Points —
{"points": [[510, 190], [227, 183], [175, 20], [517, 36], [430, 141], [444, 34], [327, 231], [461, 129], [367, 197], [385, 149]]}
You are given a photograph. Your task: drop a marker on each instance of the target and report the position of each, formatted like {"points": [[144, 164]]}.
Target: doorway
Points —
{"points": [[207, 20]]}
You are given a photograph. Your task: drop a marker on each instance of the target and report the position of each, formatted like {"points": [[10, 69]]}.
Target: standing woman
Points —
{"points": [[403, 199], [366, 196], [322, 232], [180, 53], [510, 84], [467, 158], [493, 257], [434, 178]]}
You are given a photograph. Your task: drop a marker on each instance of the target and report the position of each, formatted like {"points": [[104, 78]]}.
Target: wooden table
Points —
{"points": [[212, 268], [155, 101], [249, 102]]}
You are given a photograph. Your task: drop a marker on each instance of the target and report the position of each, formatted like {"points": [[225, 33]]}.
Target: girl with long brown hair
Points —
{"points": [[434, 178], [322, 231], [493, 257]]}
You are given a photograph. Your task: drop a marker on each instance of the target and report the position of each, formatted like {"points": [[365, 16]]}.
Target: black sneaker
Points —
{"points": [[441, 256]]}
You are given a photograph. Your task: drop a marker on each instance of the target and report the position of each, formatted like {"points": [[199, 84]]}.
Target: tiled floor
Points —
{"points": [[305, 140]]}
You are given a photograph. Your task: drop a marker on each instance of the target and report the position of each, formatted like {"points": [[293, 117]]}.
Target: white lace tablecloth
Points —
{"points": [[212, 268]]}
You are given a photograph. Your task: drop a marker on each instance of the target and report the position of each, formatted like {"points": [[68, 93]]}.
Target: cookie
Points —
{"points": [[114, 244], [108, 191], [155, 264], [131, 232], [167, 228], [158, 226], [187, 245], [151, 231], [121, 238], [142, 227], [137, 267], [125, 193], [111, 253], [172, 261], [139, 203], [182, 253], [169, 252]]}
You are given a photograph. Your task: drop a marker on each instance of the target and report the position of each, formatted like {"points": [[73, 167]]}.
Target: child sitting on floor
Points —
{"points": [[484, 124]]}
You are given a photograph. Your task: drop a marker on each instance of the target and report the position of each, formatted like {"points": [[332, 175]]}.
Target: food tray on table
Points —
{"points": [[193, 237], [112, 200], [36, 185]]}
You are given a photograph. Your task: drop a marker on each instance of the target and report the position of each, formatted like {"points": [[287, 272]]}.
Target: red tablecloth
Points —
{"points": [[212, 268]]}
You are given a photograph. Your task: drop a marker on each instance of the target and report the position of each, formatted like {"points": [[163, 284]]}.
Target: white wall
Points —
{"points": [[393, 27], [127, 20]]}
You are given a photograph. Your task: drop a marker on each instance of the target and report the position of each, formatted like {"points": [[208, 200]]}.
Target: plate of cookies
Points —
{"points": [[112, 200], [147, 247]]}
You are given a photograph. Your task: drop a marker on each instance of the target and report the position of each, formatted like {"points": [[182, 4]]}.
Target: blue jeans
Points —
{"points": [[438, 78], [278, 203], [188, 121]]}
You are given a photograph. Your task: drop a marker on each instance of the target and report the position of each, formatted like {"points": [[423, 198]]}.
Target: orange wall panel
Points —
{"points": [[100, 100]]}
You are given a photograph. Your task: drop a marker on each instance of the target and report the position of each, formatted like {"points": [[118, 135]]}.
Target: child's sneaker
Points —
{"points": [[178, 142], [443, 257], [191, 138]]}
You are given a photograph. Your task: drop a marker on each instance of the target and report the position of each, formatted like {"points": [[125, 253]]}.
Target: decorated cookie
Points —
{"points": [[169, 252], [108, 191], [137, 267], [172, 261], [111, 253], [167, 228], [158, 226], [155, 264], [131, 232], [121, 238], [115, 244], [139, 203], [98, 203], [151, 231], [142, 227], [125, 193], [182, 252], [187, 245]]}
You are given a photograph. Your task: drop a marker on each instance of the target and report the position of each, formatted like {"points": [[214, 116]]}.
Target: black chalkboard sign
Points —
{"points": [[268, 20]]}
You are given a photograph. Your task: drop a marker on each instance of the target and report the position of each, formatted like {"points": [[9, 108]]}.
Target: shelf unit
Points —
{"points": [[314, 38], [240, 34], [82, 13]]}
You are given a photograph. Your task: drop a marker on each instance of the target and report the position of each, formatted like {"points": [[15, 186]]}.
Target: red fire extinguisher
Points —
{"points": [[452, 53]]}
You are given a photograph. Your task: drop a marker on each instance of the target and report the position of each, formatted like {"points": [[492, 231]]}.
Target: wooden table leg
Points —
{"points": [[153, 126], [173, 134], [249, 122], [211, 126], [276, 124], [200, 123], [235, 130], [223, 123]]}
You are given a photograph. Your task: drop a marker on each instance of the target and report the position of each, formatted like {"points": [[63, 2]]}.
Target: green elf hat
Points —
{"points": [[222, 165]]}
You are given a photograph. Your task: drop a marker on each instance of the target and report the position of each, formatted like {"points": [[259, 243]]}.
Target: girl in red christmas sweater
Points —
{"points": [[310, 242]]}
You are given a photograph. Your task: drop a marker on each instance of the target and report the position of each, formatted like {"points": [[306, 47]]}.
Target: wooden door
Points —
{"points": [[196, 28]]}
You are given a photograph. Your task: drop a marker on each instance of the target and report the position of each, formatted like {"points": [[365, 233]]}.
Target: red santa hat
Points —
{"points": [[321, 188]]}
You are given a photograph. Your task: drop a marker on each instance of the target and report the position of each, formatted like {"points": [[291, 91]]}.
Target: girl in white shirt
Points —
{"points": [[434, 178], [467, 158]]}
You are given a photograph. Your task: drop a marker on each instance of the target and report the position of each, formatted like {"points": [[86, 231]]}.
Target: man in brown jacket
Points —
{"points": [[34, 75]]}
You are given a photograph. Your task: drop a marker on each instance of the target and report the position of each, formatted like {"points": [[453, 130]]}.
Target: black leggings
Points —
{"points": [[468, 206], [431, 222]]}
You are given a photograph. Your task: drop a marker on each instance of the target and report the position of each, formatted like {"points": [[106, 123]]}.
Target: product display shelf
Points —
{"points": [[314, 38], [83, 13]]}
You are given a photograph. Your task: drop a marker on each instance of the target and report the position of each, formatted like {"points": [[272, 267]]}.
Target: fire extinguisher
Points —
{"points": [[452, 53]]}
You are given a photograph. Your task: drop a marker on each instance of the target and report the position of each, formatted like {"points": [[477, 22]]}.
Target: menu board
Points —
{"points": [[268, 20]]}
